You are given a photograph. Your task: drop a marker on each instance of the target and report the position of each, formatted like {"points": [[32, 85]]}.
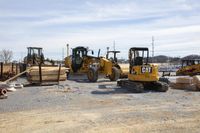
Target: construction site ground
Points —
{"points": [[76, 106]]}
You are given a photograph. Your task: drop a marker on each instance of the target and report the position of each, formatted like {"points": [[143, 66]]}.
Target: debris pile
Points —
{"points": [[186, 83], [7, 75], [196, 80]]}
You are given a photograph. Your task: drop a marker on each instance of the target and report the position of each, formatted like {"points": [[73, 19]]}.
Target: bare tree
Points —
{"points": [[6, 55]]}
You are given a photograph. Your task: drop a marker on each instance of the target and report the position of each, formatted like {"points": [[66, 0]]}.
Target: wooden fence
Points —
{"points": [[8, 70]]}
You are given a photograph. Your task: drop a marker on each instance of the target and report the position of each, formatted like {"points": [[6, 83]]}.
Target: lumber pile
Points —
{"points": [[48, 74], [186, 83], [196, 80]]}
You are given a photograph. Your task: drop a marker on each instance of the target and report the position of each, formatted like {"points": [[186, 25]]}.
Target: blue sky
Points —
{"points": [[51, 24]]}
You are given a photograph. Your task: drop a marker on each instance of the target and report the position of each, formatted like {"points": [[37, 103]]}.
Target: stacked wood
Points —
{"points": [[196, 80], [47, 74], [184, 80], [184, 83]]}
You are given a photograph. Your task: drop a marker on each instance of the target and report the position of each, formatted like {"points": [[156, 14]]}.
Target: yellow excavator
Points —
{"points": [[189, 67], [142, 75]]}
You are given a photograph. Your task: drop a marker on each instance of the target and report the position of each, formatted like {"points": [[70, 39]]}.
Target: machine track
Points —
{"points": [[156, 86], [132, 86], [139, 87]]}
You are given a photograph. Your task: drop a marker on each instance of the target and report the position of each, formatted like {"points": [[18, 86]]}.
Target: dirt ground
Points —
{"points": [[78, 106]]}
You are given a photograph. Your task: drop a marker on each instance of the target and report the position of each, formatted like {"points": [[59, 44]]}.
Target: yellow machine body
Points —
{"points": [[85, 65], [189, 70], [68, 62], [144, 73], [81, 62], [105, 66]]}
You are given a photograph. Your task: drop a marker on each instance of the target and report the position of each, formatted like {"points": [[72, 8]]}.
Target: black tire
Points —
{"points": [[92, 74], [161, 86], [115, 74]]}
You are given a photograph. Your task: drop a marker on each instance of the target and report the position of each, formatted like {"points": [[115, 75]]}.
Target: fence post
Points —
{"points": [[16, 69], [40, 73], [1, 69], [59, 73], [12, 67]]}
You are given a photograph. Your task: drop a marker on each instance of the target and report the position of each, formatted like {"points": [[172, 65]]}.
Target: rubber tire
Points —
{"points": [[3, 91], [92, 74], [115, 74]]}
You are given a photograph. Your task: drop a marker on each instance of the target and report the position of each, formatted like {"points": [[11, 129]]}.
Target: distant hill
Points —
{"points": [[193, 56], [166, 59]]}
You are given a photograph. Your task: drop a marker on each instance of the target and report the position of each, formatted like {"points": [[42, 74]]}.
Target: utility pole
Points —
{"points": [[67, 50], [107, 52], [152, 47], [114, 45]]}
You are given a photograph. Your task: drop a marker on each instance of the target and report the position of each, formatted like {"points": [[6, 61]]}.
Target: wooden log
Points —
{"points": [[8, 80], [47, 78], [182, 86], [47, 72], [47, 67], [196, 80], [184, 80], [59, 73]]}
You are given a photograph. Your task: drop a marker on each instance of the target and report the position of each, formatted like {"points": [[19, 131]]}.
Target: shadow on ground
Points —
{"points": [[106, 89]]}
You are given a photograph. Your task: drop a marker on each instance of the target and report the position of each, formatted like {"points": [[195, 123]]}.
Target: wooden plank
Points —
{"points": [[40, 72], [10, 79], [59, 73], [184, 80], [47, 78], [47, 72]]}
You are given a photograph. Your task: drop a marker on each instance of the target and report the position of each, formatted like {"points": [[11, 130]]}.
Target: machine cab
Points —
{"points": [[78, 55], [140, 69], [34, 56], [112, 55]]}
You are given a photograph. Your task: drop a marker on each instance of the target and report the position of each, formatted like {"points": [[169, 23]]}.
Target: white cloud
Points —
{"points": [[174, 23]]}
